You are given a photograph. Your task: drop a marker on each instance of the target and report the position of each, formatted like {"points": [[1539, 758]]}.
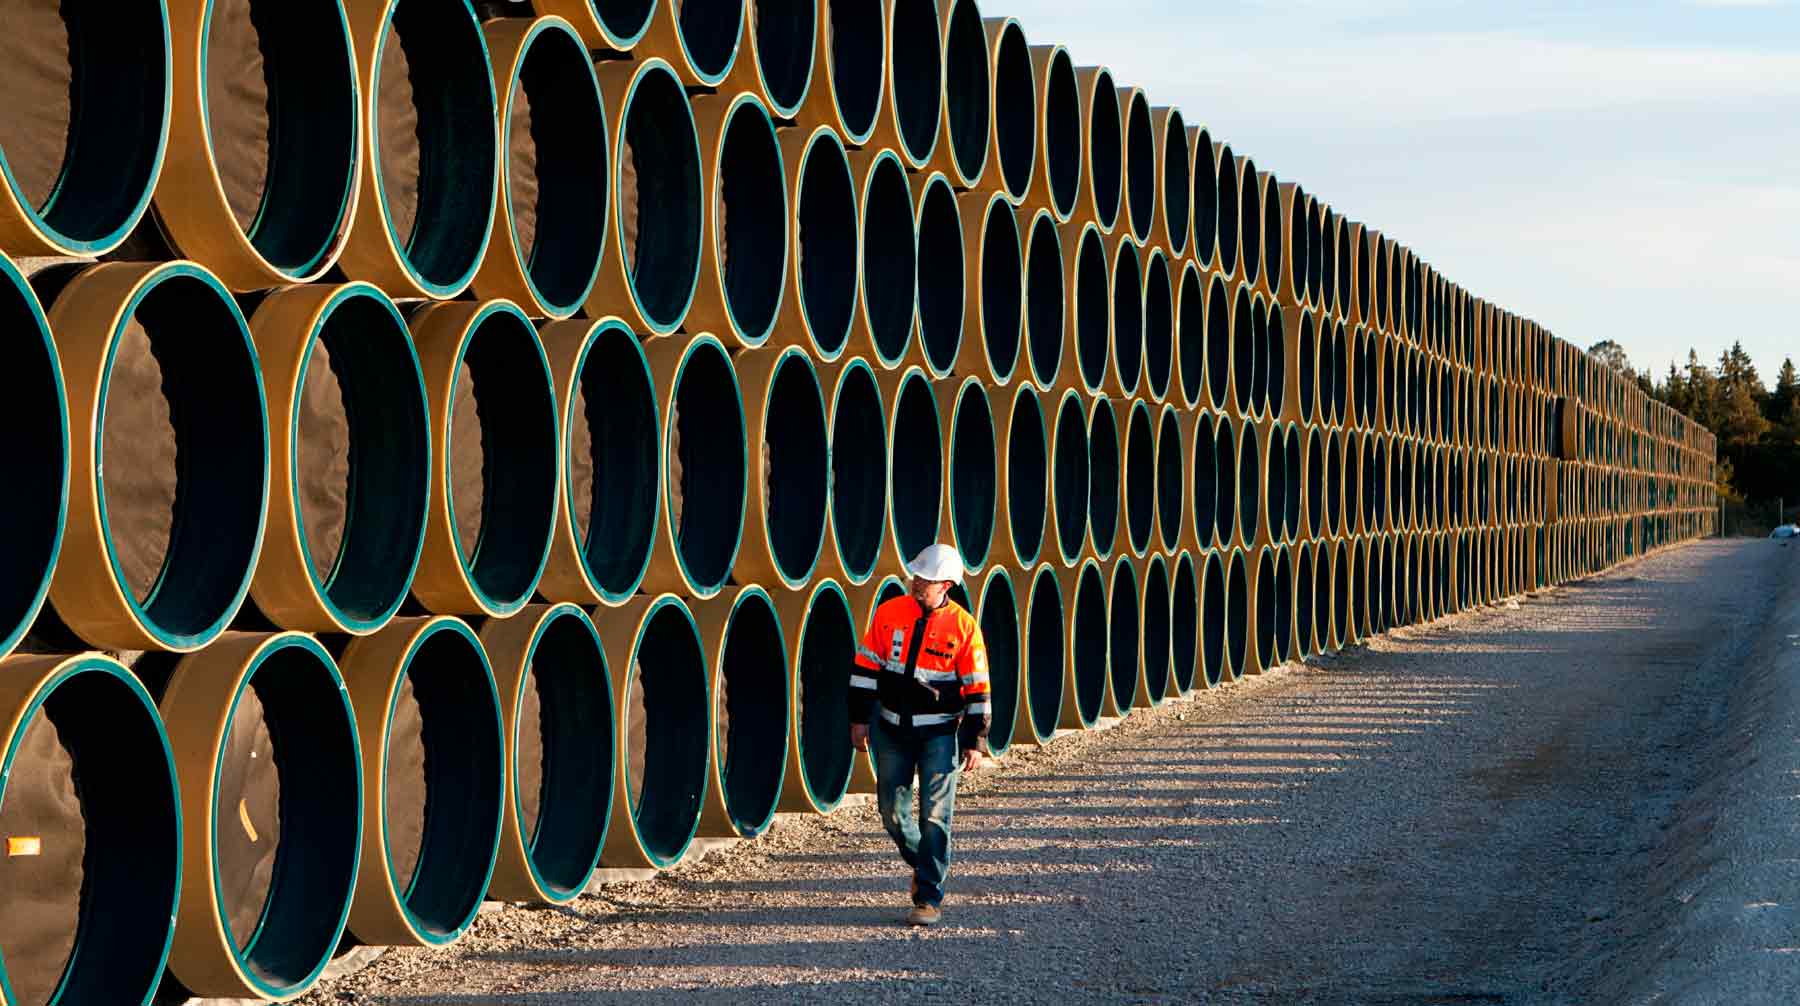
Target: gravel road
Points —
{"points": [[1496, 808]]}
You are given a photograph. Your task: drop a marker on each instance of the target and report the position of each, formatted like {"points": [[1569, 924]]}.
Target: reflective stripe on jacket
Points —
{"points": [[927, 670]]}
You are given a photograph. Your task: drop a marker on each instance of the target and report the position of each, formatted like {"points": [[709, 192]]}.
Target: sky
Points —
{"points": [[1612, 170]]}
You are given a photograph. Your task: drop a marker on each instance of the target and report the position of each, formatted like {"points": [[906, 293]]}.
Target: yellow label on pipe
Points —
{"points": [[24, 845], [244, 819]]}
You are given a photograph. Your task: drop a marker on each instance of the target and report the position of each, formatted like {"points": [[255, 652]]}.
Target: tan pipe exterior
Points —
{"points": [[585, 16]]}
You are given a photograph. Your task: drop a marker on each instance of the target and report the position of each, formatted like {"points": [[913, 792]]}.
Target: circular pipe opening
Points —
{"points": [[1105, 146], [786, 35], [659, 190], [666, 721], [858, 453], [1044, 300], [915, 474], [1328, 249], [1271, 226], [1140, 165], [998, 614], [1002, 290], [750, 222], [1250, 484], [1045, 659], [611, 441], [1267, 606], [1069, 477], [942, 304], [889, 250], [1214, 622], [1275, 485], [91, 915], [1250, 220], [968, 90], [1061, 132], [1238, 603], [1140, 478], [1190, 336], [1014, 111], [1155, 641], [1228, 202], [1292, 481], [1243, 352], [1177, 187], [1218, 343], [1204, 473], [709, 32], [1122, 655], [1275, 366], [1343, 630], [707, 465], [1128, 316], [1225, 481], [1105, 476], [1089, 645], [556, 169], [1159, 326], [826, 243], [1205, 205], [1317, 482], [1284, 605], [794, 468], [1306, 370], [974, 488], [1027, 476], [179, 380], [34, 407], [822, 695], [858, 36], [82, 168], [1168, 478], [916, 72], [1093, 312], [1299, 240], [1184, 624], [750, 713]]}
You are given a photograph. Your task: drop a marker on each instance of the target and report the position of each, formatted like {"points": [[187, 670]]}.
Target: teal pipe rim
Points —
{"points": [[429, 931], [827, 794], [829, 349], [1168, 477], [1123, 639], [616, 37], [1036, 500], [107, 234], [712, 583], [770, 759], [660, 323], [1156, 571], [1069, 500], [1184, 583], [245, 956], [915, 386], [1215, 620], [873, 529], [1000, 735], [750, 333], [887, 164], [573, 865], [37, 592], [1090, 688], [610, 590], [666, 857], [939, 313], [317, 204], [1048, 712], [209, 630], [790, 357], [1043, 338], [707, 76], [478, 237], [1139, 464], [155, 956], [973, 537], [471, 563], [794, 92], [406, 527]]}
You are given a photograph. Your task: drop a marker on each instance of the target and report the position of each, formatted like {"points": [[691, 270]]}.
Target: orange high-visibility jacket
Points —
{"points": [[925, 670]]}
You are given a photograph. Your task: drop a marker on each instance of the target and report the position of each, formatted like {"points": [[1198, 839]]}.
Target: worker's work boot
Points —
{"points": [[924, 915]]}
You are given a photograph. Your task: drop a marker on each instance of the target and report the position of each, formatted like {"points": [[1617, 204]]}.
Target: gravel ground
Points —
{"points": [[1522, 804]]}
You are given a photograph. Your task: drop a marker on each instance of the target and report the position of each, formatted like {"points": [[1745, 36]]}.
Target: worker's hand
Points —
{"points": [[859, 736], [972, 759]]}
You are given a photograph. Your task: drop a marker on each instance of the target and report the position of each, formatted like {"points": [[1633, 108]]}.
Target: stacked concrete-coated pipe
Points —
{"points": [[657, 337]]}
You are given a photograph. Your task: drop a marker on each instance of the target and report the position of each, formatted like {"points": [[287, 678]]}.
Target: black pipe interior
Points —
{"points": [[1190, 337], [828, 633], [1250, 482], [1090, 645], [677, 728], [1291, 461], [999, 619], [1304, 613], [1015, 111], [1104, 477], [1215, 622], [1316, 486], [1328, 247], [571, 168], [1122, 635], [1306, 370], [1128, 316], [1184, 625], [1062, 134], [1284, 605], [1044, 654], [753, 671], [1271, 229], [1069, 490], [974, 486], [827, 242], [858, 454], [1177, 192], [1203, 470], [889, 259], [785, 36], [1093, 310], [1243, 351], [1259, 357], [710, 30], [940, 278], [797, 465], [1002, 290], [1154, 616], [32, 408], [1315, 259], [916, 450], [1336, 477], [665, 155], [1218, 342], [752, 249], [1250, 220], [1159, 327], [1275, 365], [1140, 478], [858, 57], [1106, 150], [1208, 205], [621, 416], [1168, 478], [1027, 457], [1044, 307], [1268, 609], [1299, 241], [1275, 485], [916, 70], [575, 721], [1237, 614], [1140, 165], [968, 88], [1225, 482], [1340, 596], [709, 430]]}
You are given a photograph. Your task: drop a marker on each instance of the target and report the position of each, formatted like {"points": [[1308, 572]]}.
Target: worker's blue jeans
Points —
{"points": [[900, 754]]}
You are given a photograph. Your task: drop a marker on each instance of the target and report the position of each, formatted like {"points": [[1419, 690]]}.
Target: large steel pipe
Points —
{"points": [[434, 779], [1190, 336], [966, 99], [1174, 187], [550, 224], [264, 139], [699, 38], [1203, 172], [1229, 260], [1155, 682], [744, 235], [557, 711], [1243, 352], [823, 242], [887, 267], [431, 158], [997, 611], [1250, 224], [83, 148], [706, 466], [1089, 316], [1289, 284], [168, 455], [33, 405], [858, 497], [1273, 233], [1044, 661], [1086, 641], [850, 84], [605, 25], [1171, 484], [787, 438], [752, 711], [1286, 618], [271, 780], [350, 453], [971, 469], [1124, 665], [1137, 490], [910, 119], [1159, 326], [915, 462], [1202, 476], [1220, 305], [494, 458], [1024, 487], [650, 266], [1186, 651], [1252, 503], [1215, 620], [993, 325], [1125, 355], [92, 871], [1069, 473], [608, 511], [1266, 614], [1057, 181], [943, 293], [1045, 307], [664, 731], [1142, 164], [776, 54], [1239, 608], [819, 629], [1225, 481], [1013, 149], [1102, 147], [1106, 481]]}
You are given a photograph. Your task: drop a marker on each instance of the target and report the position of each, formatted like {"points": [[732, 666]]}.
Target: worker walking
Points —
{"points": [[919, 694]]}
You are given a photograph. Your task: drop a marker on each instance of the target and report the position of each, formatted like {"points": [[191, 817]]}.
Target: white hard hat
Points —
{"points": [[937, 562]]}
